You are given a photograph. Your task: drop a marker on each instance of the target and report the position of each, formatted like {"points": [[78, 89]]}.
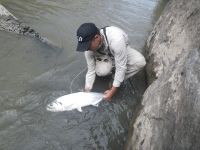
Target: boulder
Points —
{"points": [[170, 115]]}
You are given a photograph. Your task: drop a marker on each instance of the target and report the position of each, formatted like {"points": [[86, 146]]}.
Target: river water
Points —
{"points": [[33, 74]]}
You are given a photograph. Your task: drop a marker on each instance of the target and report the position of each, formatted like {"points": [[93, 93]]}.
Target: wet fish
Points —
{"points": [[75, 101]]}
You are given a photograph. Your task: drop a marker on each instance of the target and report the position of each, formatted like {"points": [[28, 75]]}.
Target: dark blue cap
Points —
{"points": [[85, 33]]}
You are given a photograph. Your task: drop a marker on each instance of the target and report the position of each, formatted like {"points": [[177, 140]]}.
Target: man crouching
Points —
{"points": [[104, 49]]}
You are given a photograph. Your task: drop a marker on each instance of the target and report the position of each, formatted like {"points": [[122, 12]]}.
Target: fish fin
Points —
{"points": [[96, 105], [79, 109]]}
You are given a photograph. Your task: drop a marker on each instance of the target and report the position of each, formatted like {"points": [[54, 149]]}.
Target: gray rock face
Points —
{"points": [[177, 29], [170, 117], [9, 23]]}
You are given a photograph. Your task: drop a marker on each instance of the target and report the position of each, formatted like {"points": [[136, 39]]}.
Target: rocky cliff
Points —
{"points": [[170, 114]]}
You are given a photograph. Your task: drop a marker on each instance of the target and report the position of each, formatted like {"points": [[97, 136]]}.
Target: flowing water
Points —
{"points": [[32, 75]]}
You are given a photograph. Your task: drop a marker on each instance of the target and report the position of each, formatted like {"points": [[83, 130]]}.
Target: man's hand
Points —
{"points": [[109, 93]]}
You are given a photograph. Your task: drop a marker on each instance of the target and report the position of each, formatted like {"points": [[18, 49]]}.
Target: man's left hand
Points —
{"points": [[109, 93]]}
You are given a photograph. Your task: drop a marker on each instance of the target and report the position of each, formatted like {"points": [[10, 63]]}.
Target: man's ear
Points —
{"points": [[96, 36]]}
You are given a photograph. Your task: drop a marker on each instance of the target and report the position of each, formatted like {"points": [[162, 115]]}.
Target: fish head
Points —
{"points": [[55, 106]]}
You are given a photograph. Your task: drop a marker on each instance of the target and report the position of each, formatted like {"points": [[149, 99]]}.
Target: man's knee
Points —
{"points": [[142, 63], [138, 66]]}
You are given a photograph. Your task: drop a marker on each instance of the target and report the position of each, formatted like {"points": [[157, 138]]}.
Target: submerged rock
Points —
{"points": [[9, 23], [170, 116]]}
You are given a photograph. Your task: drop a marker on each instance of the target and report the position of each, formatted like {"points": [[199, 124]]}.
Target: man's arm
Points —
{"points": [[90, 75], [119, 47], [120, 55]]}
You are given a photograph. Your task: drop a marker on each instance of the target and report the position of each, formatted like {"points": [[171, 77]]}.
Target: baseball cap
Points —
{"points": [[85, 33]]}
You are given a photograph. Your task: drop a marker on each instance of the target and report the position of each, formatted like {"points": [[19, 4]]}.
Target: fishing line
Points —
{"points": [[75, 78]]}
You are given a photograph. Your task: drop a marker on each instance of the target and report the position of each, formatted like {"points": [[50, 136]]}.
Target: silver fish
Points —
{"points": [[75, 101]]}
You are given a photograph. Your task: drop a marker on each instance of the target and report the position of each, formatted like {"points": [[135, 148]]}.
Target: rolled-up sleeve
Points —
{"points": [[90, 75], [119, 48]]}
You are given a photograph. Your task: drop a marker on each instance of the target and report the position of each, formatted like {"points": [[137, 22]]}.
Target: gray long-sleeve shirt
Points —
{"points": [[118, 42]]}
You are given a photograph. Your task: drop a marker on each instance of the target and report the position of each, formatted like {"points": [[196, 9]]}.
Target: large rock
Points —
{"points": [[176, 30], [170, 116]]}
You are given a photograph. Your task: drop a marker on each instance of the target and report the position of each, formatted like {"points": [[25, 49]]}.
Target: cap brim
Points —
{"points": [[84, 46]]}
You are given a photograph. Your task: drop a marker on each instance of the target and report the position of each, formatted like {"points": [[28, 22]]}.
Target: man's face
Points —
{"points": [[95, 42]]}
